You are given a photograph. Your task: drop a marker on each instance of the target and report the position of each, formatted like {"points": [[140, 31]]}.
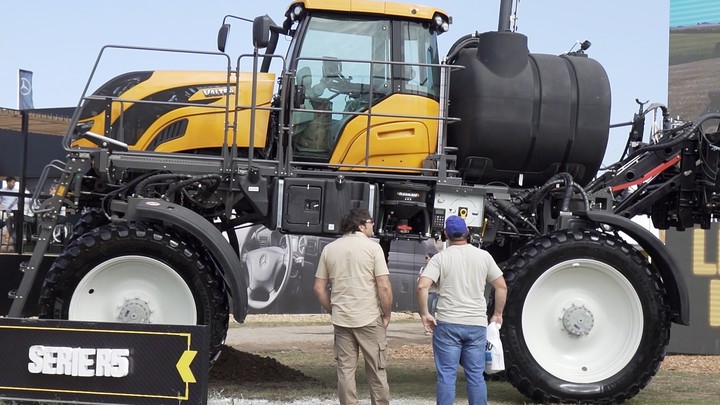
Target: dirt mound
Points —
{"points": [[234, 366]]}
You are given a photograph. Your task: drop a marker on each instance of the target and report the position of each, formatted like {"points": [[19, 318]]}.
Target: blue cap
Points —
{"points": [[455, 226]]}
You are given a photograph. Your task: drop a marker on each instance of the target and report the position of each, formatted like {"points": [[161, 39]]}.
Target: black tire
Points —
{"points": [[97, 262], [90, 219], [585, 321]]}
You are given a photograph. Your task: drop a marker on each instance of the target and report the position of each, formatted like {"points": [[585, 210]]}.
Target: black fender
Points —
{"points": [[153, 210], [662, 260]]}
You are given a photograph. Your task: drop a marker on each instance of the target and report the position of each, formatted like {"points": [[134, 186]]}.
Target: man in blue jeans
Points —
{"points": [[459, 325]]}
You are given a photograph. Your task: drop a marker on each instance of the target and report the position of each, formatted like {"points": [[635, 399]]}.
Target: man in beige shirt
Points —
{"points": [[360, 304]]}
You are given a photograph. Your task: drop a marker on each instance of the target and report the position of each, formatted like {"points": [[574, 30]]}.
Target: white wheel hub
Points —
{"points": [[578, 321], [582, 321], [134, 310], [133, 289]]}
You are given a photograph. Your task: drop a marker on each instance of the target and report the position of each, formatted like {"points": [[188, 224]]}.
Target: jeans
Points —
{"points": [[455, 344]]}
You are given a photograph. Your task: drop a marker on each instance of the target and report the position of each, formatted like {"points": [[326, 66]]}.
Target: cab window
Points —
{"points": [[419, 48], [342, 70]]}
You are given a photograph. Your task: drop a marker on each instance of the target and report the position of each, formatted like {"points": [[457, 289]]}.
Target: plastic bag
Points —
{"points": [[494, 360]]}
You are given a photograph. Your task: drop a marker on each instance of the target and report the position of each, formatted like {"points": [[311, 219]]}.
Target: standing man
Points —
{"points": [[360, 304], [432, 247], [432, 291], [459, 332], [9, 204]]}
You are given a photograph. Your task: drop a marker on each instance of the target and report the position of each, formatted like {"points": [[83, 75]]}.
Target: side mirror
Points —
{"points": [[261, 31], [222, 37]]}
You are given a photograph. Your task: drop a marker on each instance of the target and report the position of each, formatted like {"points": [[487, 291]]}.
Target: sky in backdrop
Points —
{"points": [[685, 13], [59, 41]]}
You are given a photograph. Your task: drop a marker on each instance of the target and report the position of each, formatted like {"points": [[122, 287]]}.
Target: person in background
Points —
{"points": [[9, 204], [360, 305], [53, 188], [29, 219], [459, 331], [433, 246]]}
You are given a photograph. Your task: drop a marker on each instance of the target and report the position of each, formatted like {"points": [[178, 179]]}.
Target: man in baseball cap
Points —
{"points": [[455, 227], [459, 325]]}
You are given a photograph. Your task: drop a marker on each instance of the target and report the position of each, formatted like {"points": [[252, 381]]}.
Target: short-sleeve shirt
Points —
{"points": [[351, 264], [9, 202], [461, 273]]}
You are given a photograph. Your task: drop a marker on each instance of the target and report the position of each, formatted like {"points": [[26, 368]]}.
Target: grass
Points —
{"points": [[411, 374], [692, 47], [410, 378]]}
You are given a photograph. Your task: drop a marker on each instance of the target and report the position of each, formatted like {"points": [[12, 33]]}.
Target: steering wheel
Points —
{"points": [[268, 273]]}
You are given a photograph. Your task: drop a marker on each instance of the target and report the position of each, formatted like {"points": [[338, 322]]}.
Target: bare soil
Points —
{"points": [[690, 85], [255, 369]]}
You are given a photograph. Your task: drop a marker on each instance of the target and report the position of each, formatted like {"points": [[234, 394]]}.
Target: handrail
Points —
{"points": [[67, 141], [442, 117], [285, 163]]}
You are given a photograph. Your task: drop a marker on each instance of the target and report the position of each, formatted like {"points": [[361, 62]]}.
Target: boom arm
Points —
{"points": [[673, 178]]}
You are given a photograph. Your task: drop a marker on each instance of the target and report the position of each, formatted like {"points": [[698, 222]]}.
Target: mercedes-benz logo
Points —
{"points": [[25, 87]]}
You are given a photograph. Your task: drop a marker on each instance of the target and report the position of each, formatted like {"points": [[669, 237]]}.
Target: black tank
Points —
{"points": [[526, 116]]}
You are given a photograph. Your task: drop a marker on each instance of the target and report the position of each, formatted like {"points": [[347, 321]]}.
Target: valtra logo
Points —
{"points": [[217, 91]]}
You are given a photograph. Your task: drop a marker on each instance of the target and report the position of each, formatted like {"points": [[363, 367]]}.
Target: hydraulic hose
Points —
{"points": [[493, 210], [213, 178], [466, 41], [685, 135], [143, 187]]}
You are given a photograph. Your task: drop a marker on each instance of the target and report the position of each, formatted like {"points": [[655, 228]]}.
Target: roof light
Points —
{"points": [[441, 23], [297, 12]]}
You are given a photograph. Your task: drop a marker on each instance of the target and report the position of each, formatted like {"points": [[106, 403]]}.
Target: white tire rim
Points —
{"points": [[133, 289], [582, 321]]}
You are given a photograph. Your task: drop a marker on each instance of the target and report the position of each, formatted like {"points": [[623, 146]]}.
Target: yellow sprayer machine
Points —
{"points": [[365, 111]]}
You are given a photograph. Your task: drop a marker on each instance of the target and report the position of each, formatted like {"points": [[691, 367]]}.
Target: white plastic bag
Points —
{"points": [[494, 360]]}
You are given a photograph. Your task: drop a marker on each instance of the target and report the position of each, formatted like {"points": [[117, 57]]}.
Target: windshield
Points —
{"points": [[342, 50]]}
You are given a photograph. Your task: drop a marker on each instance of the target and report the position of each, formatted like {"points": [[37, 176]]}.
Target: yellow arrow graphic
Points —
{"points": [[183, 366]]}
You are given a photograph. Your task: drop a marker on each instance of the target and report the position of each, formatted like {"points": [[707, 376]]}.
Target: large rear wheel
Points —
{"points": [[136, 274], [585, 319]]}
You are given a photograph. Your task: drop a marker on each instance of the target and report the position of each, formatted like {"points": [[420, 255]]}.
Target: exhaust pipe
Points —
{"points": [[505, 15]]}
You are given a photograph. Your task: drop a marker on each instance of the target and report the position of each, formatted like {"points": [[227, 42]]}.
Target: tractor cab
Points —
{"points": [[367, 82]]}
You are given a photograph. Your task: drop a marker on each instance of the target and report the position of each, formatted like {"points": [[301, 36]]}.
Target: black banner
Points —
{"points": [[90, 362], [25, 90]]}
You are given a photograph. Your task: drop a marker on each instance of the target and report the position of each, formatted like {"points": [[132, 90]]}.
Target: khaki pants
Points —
{"points": [[372, 340]]}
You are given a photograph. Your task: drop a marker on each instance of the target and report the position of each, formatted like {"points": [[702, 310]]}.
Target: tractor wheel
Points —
{"points": [[89, 220], [585, 319], [133, 274]]}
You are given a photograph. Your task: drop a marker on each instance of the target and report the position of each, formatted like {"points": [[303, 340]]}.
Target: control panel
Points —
{"points": [[465, 202]]}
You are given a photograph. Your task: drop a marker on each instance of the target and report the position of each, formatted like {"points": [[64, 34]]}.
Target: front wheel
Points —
{"points": [[585, 319], [130, 273]]}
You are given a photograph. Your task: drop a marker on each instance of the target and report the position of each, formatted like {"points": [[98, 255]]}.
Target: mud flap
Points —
{"points": [[661, 259]]}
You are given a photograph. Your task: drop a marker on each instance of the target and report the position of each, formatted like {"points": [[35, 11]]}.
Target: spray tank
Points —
{"points": [[525, 116]]}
